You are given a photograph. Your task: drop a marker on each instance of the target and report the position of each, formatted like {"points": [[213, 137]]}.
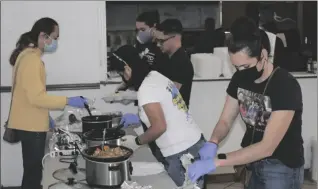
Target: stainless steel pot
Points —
{"points": [[107, 172], [99, 122], [94, 138], [109, 121], [101, 174]]}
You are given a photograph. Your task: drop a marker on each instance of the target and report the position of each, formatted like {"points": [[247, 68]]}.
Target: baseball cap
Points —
{"points": [[170, 26]]}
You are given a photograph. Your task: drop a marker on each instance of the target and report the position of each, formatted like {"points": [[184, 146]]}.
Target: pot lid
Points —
{"points": [[69, 185], [98, 135], [65, 174]]}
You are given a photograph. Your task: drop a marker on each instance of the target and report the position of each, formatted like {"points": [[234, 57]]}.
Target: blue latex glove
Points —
{"points": [[130, 119], [200, 168], [52, 123], [76, 101], [208, 151]]}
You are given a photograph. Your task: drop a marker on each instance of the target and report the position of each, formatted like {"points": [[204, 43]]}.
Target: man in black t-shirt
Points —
{"points": [[269, 101], [146, 23], [172, 62], [210, 38], [178, 68], [283, 93]]}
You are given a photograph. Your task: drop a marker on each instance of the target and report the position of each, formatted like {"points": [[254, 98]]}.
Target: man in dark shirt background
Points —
{"points": [[146, 23], [168, 58], [178, 68], [210, 38], [254, 11]]}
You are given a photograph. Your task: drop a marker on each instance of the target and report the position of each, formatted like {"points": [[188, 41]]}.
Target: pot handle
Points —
{"points": [[114, 168], [76, 147], [119, 127], [131, 168]]}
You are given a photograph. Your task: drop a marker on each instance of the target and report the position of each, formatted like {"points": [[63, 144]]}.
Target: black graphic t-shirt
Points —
{"points": [[151, 54], [283, 93]]}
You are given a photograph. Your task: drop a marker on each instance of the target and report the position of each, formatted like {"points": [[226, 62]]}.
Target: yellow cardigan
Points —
{"points": [[31, 103]]}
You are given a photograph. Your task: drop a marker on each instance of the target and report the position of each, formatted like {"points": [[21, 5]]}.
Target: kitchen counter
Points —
{"points": [[143, 154], [158, 181]]}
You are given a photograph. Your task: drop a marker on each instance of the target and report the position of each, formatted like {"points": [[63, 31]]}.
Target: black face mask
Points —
{"points": [[251, 74]]}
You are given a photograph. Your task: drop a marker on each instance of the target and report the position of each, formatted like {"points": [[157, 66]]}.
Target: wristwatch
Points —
{"points": [[137, 141], [221, 156]]}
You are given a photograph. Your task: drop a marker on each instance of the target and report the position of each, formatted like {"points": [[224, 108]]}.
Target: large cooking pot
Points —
{"points": [[99, 122], [109, 121], [95, 137], [107, 172]]}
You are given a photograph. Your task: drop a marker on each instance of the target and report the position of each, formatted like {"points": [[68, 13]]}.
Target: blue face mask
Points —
{"points": [[144, 36], [51, 47]]}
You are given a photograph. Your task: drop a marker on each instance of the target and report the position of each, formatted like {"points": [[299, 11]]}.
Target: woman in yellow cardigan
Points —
{"points": [[31, 103]]}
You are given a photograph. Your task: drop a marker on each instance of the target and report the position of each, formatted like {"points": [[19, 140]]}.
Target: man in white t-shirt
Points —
{"points": [[163, 110], [181, 131]]}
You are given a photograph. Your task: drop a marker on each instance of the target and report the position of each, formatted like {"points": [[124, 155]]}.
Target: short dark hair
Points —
{"points": [[170, 26], [45, 25], [245, 35], [150, 18]]}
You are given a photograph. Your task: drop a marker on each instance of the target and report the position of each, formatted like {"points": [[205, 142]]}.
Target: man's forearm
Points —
{"points": [[220, 132], [246, 155], [150, 135]]}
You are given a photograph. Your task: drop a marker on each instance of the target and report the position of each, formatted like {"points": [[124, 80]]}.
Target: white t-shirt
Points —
{"points": [[181, 132]]}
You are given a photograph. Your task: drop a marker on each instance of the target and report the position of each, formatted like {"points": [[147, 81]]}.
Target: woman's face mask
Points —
{"points": [[144, 36], [50, 47], [250, 73]]}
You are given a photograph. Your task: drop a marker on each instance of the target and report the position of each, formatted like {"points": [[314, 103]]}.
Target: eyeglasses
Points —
{"points": [[161, 41]]}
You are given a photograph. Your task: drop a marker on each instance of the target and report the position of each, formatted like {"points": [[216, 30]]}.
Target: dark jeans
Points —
{"points": [[273, 174], [175, 169], [33, 146], [172, 162]]}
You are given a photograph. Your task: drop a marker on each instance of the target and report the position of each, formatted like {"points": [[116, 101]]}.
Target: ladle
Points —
{"points": [[87, 107]]}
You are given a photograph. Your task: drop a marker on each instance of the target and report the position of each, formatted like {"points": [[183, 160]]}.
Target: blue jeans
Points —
{"points": [[273, 174], [174, 166]]}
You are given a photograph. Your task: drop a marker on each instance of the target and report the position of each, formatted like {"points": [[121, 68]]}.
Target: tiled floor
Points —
{"points": [[307, 185]]}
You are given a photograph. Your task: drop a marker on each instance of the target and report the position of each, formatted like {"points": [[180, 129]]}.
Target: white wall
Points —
{"points": [[81, 53]]}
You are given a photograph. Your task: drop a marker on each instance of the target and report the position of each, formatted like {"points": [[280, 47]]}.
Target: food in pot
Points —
{"points": [[108, 152]]}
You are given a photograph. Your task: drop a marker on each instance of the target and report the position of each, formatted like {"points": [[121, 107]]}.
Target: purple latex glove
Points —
{"points": [[130, 119], [52, 123], [76, 101], [208, 151], [200, 168]]}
